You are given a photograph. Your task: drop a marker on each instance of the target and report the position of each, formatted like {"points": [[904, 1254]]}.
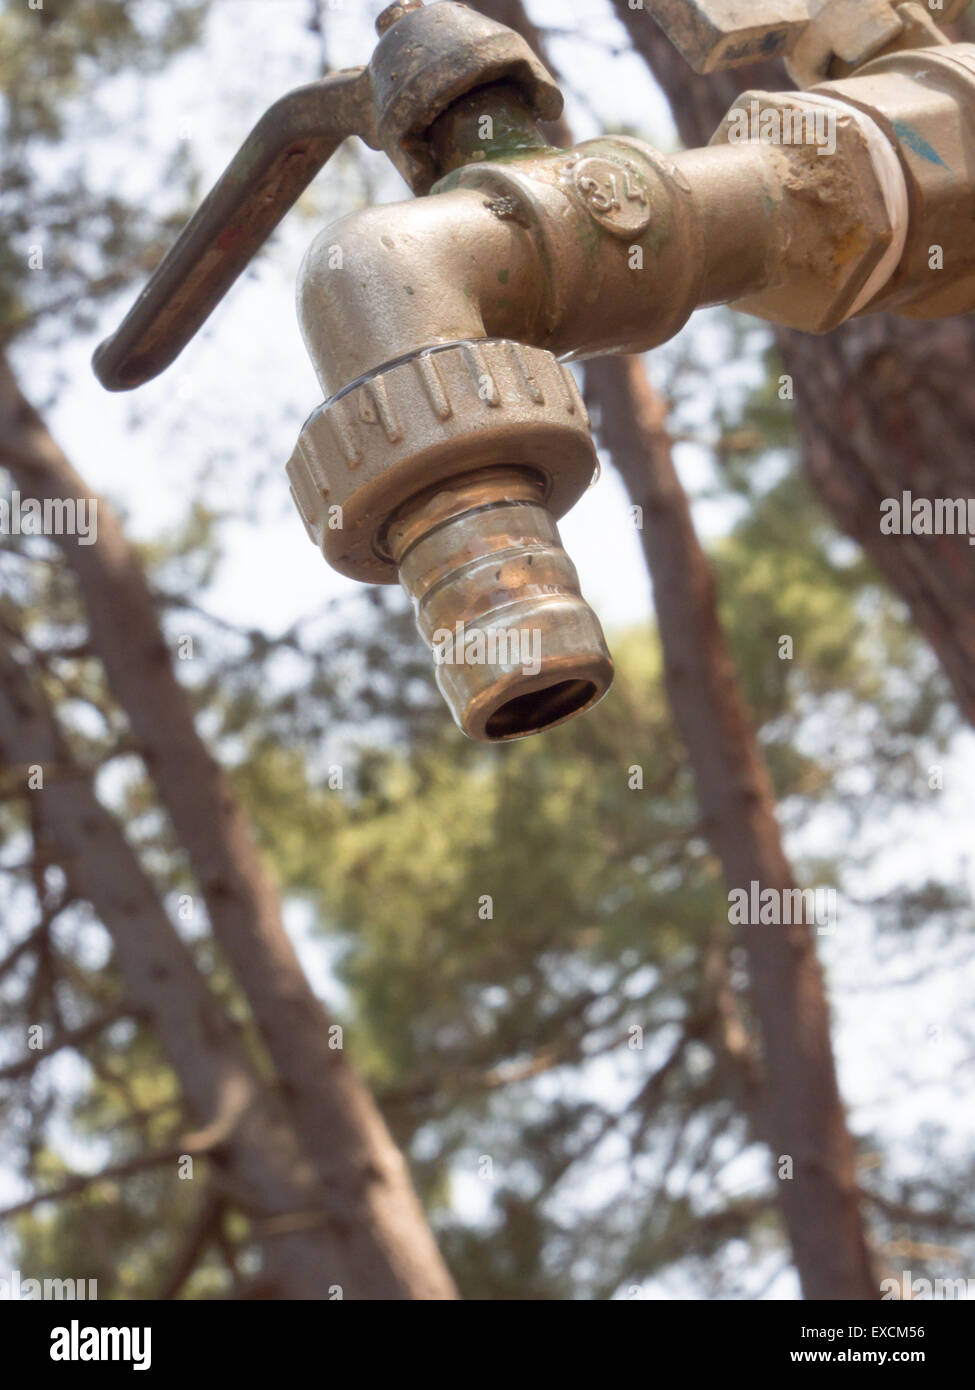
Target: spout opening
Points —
{"points": [[538, 710]]}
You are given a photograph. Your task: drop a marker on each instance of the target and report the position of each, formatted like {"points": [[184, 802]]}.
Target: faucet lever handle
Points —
{"points": [[291, 142]]}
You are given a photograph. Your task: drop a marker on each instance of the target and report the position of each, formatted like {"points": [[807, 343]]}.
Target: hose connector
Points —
{"points": [[447, 470], [516, 647]]}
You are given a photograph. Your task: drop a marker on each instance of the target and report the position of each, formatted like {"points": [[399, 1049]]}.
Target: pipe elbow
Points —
{"points": [[390, 280]]}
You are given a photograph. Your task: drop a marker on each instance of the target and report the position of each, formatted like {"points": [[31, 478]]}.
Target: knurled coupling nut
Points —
{"points": [[440, 413]]}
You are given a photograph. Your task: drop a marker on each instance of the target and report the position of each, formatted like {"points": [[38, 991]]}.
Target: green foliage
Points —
{"points": [[67, 239], [532, 940]]}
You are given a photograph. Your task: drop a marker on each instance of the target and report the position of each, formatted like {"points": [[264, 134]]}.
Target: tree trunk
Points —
{"points": [[247, 1138], [801, 1114], [389, 1241]]}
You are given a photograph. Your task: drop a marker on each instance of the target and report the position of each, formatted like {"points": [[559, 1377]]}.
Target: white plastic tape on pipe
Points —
{"points": [[893, 185]]}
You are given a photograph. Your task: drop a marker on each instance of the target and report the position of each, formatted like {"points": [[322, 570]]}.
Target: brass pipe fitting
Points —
{"points": [[828, 267], [496, 598], [452, 437], [924, 101], [396, 477], [423, 420]]}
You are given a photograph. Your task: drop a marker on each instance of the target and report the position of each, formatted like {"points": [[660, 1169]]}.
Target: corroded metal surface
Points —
{"points": [[715, 34], [926, 103], [833, 212], [496, 598], [431, 58], [810, 34]]}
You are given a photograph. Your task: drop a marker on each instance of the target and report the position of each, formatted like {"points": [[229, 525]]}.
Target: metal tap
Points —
{"points": [[452, 434]]}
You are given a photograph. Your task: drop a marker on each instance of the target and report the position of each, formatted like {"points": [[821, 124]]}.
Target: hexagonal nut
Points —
{"points": [[836, 224], [435, 415], [925, 100], [716, 34]]}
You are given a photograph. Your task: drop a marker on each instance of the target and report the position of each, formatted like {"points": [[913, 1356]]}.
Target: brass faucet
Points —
{"points": [[452, 435]]}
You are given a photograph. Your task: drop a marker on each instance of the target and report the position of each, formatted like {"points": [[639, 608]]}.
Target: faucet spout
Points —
{"points": [[516, 647]]}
